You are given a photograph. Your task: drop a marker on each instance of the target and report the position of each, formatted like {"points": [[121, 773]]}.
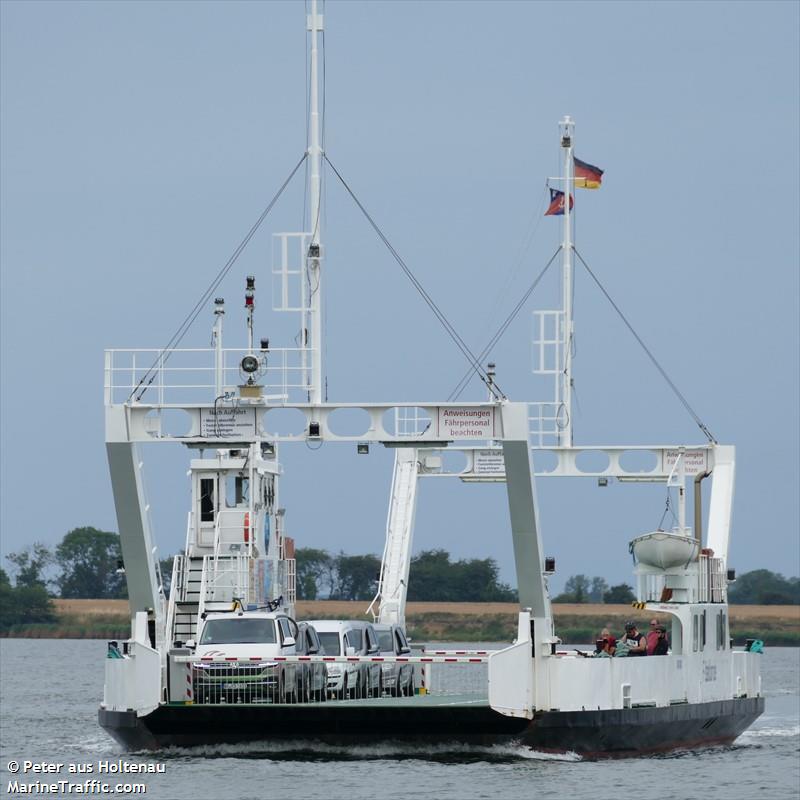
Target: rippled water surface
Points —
{"points": [[50, 690]]}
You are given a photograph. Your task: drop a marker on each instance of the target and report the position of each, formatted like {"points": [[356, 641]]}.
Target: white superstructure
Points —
{"points": [[218, 402]]}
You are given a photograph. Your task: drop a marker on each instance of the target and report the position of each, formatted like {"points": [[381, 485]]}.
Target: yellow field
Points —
{"points": [[331, 609]]}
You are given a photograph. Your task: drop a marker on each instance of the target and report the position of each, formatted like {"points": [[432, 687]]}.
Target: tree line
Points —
{"points": [[583, 589], [85, 564], [759, 587], [432, 576]]}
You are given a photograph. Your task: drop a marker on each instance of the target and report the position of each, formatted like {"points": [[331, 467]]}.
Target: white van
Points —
{"points": [[350, 638], [253, 638]]}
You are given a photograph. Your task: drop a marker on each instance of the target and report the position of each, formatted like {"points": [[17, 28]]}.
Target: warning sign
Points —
{"points": [[489, 462], [466, 423], [695, 462], [227, 422]]}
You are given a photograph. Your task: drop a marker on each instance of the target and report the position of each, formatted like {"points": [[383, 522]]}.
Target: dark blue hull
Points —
{"points": [[620, 732]]}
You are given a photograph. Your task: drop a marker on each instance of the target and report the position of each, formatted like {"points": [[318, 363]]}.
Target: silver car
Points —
{"points": [[398, 679], [312, 677], [350, 638]]}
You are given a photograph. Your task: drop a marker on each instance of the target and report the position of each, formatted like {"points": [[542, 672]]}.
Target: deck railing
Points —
{"points": [[704, 581], [713, 580], [191, 376], [320, 678], [226, 578]]}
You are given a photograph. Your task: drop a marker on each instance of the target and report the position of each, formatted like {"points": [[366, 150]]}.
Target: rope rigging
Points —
{"points": [[667, 510], [670, 383], [518, 261], [462, 384], [438, 313], [164, 354]]}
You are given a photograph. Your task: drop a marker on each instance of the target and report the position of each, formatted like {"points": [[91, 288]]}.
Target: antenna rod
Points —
{"points": [[249, 307], [219, 365], [314, 24], [564, 385]]}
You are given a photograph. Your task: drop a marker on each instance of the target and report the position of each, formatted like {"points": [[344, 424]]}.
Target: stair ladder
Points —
{"points": [[393, 581], [187, 599]]}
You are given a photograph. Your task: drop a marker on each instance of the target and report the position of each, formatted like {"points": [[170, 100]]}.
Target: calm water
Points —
{"points": [[51, 690]]}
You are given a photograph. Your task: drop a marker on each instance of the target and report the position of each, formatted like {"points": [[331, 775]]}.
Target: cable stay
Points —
{"points": [[670, 383], [474, 362], [164, 354], [529, 236], [463, 383]]}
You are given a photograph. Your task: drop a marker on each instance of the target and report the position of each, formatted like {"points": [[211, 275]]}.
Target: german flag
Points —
{"points": [[556, 207], [586, 175]]}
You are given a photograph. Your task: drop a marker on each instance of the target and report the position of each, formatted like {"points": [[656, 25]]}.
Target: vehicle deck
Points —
{"points": [[418, 701]]}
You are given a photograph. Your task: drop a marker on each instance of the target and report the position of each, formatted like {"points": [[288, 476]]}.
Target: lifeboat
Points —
{"points": [[664, 550]]}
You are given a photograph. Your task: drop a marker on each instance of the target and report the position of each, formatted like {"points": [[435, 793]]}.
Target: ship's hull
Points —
{"points": [[619, 732]]}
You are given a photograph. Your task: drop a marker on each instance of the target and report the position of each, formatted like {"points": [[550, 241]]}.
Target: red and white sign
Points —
{"points": [[695, 462], [466, 423]]}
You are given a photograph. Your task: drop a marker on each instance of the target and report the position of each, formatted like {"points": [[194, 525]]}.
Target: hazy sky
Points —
{"points": [[141, 140]]}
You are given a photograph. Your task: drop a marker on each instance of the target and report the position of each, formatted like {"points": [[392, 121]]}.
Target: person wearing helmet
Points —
{"points": [[635, 641]]}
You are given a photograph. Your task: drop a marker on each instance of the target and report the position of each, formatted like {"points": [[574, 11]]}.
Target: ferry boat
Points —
{"points": [[237, 556]]}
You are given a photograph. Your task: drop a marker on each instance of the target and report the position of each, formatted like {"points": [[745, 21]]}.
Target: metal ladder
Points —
{"points": [[187, 599]]}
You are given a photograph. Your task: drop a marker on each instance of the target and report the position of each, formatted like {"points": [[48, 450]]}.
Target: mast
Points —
{"points": [[314, 25], [565, 389]]}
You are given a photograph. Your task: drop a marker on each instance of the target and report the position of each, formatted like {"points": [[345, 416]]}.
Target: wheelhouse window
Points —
{"points": [[207, 503], [239, 631], [237, 491]]}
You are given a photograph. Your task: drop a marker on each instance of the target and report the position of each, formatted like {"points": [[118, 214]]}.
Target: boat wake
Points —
{"points": [[756, 738], [321, 751], [760, 733]]}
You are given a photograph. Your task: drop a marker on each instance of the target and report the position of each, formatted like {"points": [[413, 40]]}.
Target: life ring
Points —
{"points": [[246, 527]]}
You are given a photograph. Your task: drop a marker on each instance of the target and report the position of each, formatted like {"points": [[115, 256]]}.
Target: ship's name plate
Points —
{"points": [[227, 421], [467, 423]]}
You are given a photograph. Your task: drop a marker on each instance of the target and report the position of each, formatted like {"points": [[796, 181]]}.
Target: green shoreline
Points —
{"points": [[570, 628], [434, 626]]}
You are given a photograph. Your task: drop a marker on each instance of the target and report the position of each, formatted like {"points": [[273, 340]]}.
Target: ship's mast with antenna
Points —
{"points": [[313, 258], [567, 127]]}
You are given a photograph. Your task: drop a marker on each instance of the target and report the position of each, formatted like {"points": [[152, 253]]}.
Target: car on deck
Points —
{"points": [[351, 638], [398, 678], [312, 676], [234, 655]]}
